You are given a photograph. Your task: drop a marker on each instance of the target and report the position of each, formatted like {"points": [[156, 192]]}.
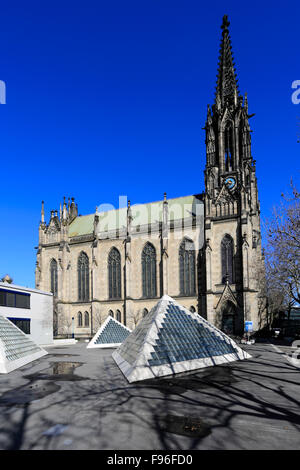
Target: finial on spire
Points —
{"points": [[165, 196], [246, 103], [42, 213], [227, 87], [129, 218], [225, 23], [208, 116], [64, 210]]}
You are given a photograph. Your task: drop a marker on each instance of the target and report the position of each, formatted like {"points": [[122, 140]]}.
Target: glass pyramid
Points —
{"points": [[16, 348], [110, 335], [171, 339]]}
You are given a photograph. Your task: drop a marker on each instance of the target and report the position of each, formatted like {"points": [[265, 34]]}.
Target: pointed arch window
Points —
{"points": [[227, 259], [111, 313], [187, 267], [114, 274], [145, 312], [53, 277], [86, 319], [119, 316], [83, 277], [79, 319], [228, 147], [149, 271]]}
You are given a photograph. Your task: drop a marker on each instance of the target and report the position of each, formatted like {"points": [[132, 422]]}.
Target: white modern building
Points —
{"points": [[31, 310]]}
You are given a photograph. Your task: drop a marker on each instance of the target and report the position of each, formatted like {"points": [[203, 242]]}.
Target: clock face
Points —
{"points": [[230, 182]]}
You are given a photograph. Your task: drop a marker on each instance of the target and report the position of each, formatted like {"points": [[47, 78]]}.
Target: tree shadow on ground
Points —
{"points": [[110, 413]]}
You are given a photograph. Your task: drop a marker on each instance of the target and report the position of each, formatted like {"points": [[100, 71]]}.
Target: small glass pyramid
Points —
{"points": [[16, 349], [110, 335], [171, 339]]}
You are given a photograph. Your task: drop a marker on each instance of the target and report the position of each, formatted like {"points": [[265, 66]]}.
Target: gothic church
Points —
{"points": [[203, 250]]}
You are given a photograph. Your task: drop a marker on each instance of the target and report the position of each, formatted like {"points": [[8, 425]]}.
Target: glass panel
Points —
{"points": [[22, 323], [10, 299], [2, 298], [22, 301]]}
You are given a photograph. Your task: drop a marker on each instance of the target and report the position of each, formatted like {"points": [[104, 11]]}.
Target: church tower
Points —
{"points": [[234, 267]]}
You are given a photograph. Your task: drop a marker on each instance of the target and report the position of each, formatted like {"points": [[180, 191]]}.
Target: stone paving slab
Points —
{"points": [[54, 404]]}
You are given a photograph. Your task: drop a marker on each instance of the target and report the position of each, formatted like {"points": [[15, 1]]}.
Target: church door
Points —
{"points": [[228, 318]]}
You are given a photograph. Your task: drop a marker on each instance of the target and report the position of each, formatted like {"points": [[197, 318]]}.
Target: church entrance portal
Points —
{"points": [[228, 318]]}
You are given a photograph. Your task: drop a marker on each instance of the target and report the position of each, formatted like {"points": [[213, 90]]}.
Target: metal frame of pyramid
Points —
{"points": [[109, 319], [145, 355], [16, 349]]}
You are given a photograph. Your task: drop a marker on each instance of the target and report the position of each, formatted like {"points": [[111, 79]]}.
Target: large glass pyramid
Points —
{"points": [[110, 335], [171, 339], [16, 349]]}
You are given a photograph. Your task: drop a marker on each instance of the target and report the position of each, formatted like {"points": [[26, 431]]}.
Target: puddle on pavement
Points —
{"points": [[213, 377], [37, 388], [28, 393], [183, 425], [58, 371]]}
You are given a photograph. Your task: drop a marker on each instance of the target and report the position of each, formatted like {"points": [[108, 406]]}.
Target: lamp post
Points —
{"points": [[72, 327]]}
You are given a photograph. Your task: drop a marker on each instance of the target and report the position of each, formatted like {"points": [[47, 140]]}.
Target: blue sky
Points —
{"points": [[109, 98]]}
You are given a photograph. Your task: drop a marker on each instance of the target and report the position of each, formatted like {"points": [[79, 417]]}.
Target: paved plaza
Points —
{"points": [[77, 398]]}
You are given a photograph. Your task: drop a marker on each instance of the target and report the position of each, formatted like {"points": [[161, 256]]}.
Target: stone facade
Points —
{"points": [[172, 222], [203, 250]]}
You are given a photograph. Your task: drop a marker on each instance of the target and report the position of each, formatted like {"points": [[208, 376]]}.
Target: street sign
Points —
{"points": [[248, 326]]}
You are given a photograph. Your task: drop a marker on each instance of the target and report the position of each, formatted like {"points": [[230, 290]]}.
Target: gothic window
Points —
{"points": [[111, 313], [145, 312], [228, 147], [227, 259], [86, 319], [119, 316], [53, 277], [79, 319], [241, 142], [114, 274], [149, 271], [247, 177], [187, 267], [83, 277]]}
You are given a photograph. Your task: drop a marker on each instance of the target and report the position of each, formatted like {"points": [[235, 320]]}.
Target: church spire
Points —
{"points": [[227, 87]]}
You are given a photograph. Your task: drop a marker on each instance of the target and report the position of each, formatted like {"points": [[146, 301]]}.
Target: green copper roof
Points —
{"points": [[82, 225], [150, 213]]}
